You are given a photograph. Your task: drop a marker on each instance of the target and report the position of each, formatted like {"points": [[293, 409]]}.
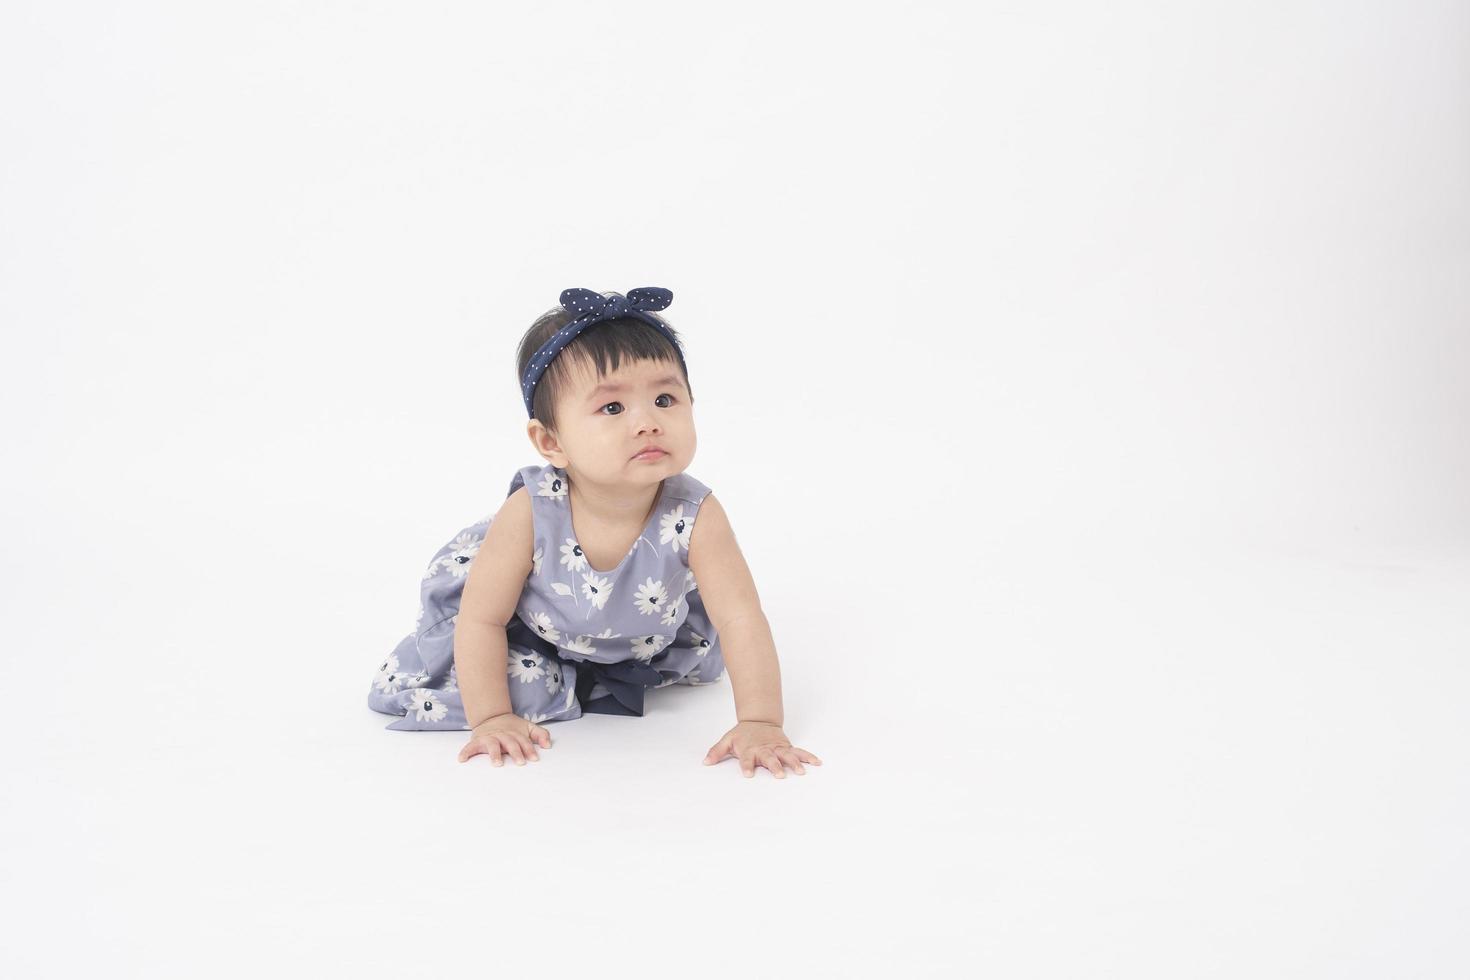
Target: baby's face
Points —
{"points": [[603, 424]]}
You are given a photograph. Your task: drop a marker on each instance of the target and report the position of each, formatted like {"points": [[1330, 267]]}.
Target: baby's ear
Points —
{"points": [[545, 443]]}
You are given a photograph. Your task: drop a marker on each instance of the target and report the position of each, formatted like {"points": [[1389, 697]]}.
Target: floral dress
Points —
{"points": [[581, 640]]}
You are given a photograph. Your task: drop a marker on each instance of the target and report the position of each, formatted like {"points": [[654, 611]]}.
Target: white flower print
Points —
{"points": [[644, 647], [428, 707], [608, 634], [651, 596], [553, 486], [571, 696], [596, 588], [675, 529], [451, 683], [525, 666], [463, 551], [421, 679], [671, 615], [420, 620], [535, 717], [542, 622], [389, 679], [536, 561], [553, 680], [582, 645], [572, 556], [701, 644], [433, 568]]}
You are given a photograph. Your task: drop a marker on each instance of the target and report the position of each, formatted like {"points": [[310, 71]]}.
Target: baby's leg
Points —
{"points": [[417, 680], [400, 670], [542, 687], [694, 660], [539, 686]]}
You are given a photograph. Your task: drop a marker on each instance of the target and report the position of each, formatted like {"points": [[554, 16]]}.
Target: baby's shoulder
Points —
{"points": [[519, 499], [502, 564], [512, 523]]}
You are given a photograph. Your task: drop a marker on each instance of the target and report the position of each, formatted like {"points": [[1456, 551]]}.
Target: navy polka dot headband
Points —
{"points": [[594, 308]]}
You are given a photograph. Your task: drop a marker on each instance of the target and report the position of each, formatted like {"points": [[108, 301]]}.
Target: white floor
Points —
{"points": [[986, 306], [1088, 758]]}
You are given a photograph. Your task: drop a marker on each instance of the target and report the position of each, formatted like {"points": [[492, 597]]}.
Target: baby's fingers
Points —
{"points": [[720, 751], [513, 748], [772, 761], [789, 756], [482, 745], [806, 756], [531, 752]]}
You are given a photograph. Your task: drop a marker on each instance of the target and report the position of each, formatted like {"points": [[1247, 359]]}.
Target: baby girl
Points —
{"points": [[605, 572]]}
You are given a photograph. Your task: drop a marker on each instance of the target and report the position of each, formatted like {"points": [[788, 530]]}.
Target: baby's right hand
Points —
{"points": [[509, 733]]}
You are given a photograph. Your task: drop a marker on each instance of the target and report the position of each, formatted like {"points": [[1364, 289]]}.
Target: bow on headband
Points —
{"points": [[592, 308], [600, 307]]}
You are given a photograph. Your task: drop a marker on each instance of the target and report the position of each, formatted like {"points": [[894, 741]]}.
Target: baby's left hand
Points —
{"points": [[760, 743]]}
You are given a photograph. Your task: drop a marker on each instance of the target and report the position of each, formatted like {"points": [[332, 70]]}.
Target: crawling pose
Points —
{"points": [[593, 581]]}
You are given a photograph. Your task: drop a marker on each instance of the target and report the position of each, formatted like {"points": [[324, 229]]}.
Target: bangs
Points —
{"points": [[596, 352]]}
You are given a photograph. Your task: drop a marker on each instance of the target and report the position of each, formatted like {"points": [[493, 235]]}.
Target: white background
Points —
{"points": [[1086, 383]]}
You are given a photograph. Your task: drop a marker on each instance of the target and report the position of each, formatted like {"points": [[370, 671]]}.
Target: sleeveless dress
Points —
{"points": [[581, 640]]}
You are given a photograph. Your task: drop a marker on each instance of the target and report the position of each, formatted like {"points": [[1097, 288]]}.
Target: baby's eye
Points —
{"points": [[604, 408]]}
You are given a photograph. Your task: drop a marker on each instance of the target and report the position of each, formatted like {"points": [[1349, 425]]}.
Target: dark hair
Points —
{"points": [[602, 346]]}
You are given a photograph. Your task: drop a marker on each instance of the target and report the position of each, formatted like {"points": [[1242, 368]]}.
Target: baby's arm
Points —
{"points": [[730, 599], [497, 577]]}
